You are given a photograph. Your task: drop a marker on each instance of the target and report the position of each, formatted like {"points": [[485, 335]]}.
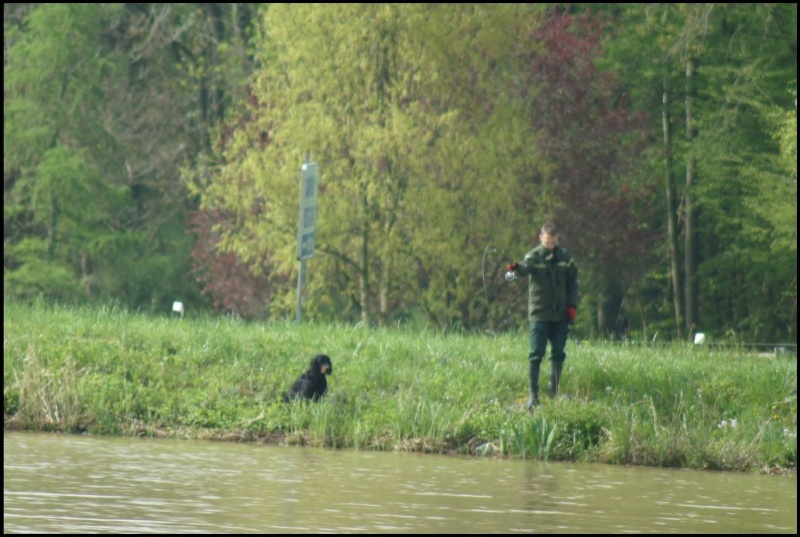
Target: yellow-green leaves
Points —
{"points": [[408, 112]]}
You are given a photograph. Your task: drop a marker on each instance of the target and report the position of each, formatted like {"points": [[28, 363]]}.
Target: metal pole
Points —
{"points": [[301, 281]]}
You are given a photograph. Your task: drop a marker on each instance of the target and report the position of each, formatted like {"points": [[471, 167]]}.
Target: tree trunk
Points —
{"points": [[386, 272], [689, 254], [52, 229], [364, 276], [383, 289], [601, 315], [672, 226], [609, 306]]}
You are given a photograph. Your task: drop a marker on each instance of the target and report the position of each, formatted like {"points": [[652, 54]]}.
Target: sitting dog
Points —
{"points": [[312, 384]]}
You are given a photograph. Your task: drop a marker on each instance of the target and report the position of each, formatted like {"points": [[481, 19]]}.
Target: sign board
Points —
{"points": [[308, 211]]}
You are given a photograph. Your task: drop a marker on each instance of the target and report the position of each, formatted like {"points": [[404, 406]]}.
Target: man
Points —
{"points": [[552, 299]]}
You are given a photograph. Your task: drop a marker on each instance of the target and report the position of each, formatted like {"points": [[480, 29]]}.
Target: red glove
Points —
{"points": [[513, 267], [570, 313]]}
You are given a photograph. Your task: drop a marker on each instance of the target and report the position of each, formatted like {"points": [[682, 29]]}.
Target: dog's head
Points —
{"points": [[322, 364]]}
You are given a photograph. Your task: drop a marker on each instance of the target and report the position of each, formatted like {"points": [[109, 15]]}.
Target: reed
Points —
{"points": [[111, 371]]}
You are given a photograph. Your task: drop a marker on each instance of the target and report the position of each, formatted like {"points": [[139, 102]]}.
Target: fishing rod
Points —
{"points": [[505, 298], [510, 275]]}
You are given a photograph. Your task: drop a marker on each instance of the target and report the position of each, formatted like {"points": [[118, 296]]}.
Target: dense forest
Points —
{"points": [[152, 153]]}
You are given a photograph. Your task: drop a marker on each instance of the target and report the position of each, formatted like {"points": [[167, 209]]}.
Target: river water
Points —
{"points": [[85, 484]]}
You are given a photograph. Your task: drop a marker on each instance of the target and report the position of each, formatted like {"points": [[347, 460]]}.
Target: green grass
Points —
{"points": [[110, 371]]}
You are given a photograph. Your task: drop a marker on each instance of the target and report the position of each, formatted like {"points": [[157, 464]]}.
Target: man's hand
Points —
{"points": [[570, 313], [513, 267]]}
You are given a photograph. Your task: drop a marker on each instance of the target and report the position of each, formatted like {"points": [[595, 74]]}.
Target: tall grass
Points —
{"points": [[111, 371]]}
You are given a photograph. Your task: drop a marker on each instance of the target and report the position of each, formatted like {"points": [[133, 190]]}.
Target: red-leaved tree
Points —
{"points": [[232, 286], [593, 141]]}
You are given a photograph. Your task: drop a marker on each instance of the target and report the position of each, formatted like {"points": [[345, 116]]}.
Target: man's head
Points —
{"points": [[548, 236]]}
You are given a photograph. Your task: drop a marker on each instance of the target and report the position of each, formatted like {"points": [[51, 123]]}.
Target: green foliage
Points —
{"points": [[101, 107], [744, 58], [785, 121], [36, 276], [443, 133], [773, 202], [109, 371], [404, 143], [56, 144]]}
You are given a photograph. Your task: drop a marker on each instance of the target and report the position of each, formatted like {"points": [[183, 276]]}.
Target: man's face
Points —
{"points": [[548, 241]]}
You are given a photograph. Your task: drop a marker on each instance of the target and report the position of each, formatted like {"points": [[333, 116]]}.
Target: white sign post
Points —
{"points": [[307, 228], [308, 211]]}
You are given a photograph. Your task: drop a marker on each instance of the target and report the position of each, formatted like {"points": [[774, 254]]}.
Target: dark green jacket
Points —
{"points": [[552, 283]]}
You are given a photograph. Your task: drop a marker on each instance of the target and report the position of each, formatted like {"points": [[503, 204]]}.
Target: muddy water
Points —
{"points": [[82, 484]]}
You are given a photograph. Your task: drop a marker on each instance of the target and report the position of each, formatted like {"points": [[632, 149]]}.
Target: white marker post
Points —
{"points": [[699, 338], [307, 229]]}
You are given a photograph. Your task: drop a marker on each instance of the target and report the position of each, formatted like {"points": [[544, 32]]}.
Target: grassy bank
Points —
{"points": [[108, 371]]}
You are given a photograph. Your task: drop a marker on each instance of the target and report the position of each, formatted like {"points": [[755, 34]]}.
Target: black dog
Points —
{"points": [[312, 384]]}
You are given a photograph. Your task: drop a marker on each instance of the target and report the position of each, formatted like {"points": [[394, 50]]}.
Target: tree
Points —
{"points": [[407, 126], [232, 288], [750, 63], [741, 58], [592, 141], [102, 108], [56, 208]]}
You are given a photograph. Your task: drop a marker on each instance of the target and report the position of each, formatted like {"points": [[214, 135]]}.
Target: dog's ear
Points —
{"points": [[320, 359]]}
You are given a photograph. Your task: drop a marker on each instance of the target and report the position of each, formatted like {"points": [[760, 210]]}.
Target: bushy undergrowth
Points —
{"points": [[110, 371]]}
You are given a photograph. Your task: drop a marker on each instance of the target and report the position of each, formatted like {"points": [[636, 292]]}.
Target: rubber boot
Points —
{"points": [[533, 376], [555, 378]]}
